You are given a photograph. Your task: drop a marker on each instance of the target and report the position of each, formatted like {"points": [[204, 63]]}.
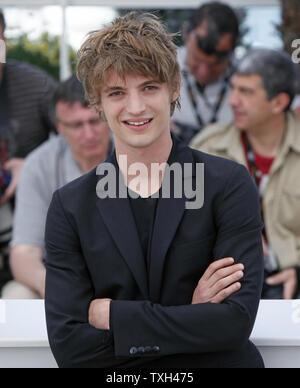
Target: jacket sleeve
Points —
{"points": [[69, 290], [207, 327]]}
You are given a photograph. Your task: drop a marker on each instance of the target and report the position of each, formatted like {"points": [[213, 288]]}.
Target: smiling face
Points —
{"points": [[137, 109]]}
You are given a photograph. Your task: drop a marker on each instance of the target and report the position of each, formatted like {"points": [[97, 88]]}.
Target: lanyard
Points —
{"points": [[219, 100], [271, 263], [4, 130], [260, 179]]}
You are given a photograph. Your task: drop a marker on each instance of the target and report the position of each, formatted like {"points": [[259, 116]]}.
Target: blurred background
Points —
{"points": [[48, 34]]}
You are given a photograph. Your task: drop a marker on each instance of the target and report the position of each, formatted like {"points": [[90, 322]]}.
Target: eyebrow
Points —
{"points": [[112, 88], [241, 88], [116, 87]]}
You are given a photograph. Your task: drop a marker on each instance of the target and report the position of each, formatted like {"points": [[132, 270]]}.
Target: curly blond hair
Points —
{"points": [[132, 44]]}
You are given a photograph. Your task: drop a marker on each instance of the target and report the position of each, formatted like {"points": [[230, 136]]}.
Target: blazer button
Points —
{"points": [[141, 349], [133, 350], [148, 349], [156, 349]]}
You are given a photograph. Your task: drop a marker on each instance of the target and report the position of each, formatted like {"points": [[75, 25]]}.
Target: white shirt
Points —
{"points": [[212, 92]]}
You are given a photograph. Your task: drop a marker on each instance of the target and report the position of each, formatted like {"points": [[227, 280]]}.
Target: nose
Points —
{"points": [[234, 99], [88, 131], [135, 103], [203, 71]]}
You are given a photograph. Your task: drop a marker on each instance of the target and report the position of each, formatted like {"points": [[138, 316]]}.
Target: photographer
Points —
{"points": [[206, 64]]}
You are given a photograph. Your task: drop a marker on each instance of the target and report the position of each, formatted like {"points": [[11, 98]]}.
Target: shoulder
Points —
{"points": [[26, 74], [16, 67], [294, 129], [41, 164], [216, 165], [212, 134], [227, 180], [79, 192], [47, 152], [217, 169]]}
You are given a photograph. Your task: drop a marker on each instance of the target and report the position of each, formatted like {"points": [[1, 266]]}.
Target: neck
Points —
{"points": [[142, 178], [267, 139], [86, 165]]}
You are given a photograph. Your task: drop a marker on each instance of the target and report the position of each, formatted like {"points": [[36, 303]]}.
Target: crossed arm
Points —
{"points": [[220, 280]]}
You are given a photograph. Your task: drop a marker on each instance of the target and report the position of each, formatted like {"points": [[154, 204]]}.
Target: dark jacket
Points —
{"points": [[93, 251]]}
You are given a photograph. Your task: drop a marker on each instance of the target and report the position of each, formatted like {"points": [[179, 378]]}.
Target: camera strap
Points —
{"points": [[261, 181], [5, 209], [4, 125], [219, 100]]}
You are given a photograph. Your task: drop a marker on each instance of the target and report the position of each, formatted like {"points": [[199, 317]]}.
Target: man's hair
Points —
{"points": [[132, 44], [69, 91], [278, 72], [219, 19], [2, 20]]}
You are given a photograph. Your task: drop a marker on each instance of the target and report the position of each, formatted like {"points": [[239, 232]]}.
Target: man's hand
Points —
{"points": [[220, 280], [288, 278], [14, 166], [99, 313]]}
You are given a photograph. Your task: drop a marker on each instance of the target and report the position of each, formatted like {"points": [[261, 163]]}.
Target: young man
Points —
{"points": [[83, 143], [132, 279], [265, 137]]}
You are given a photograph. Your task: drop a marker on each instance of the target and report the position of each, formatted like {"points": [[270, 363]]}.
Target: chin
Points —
{"points": [[241, 125], [141, 141]]}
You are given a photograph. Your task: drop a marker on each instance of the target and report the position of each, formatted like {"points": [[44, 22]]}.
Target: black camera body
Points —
{"points": [[5, 178]]}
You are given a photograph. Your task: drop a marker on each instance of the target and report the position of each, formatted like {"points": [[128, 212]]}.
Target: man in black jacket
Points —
{"points": [[25, 123], [132, 272]]}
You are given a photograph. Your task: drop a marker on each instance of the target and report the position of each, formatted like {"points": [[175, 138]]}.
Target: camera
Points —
{"points": [[5, 178]]}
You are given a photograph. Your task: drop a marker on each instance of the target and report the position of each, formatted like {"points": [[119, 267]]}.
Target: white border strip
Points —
{"points": [[136, 3], [2, 312]]}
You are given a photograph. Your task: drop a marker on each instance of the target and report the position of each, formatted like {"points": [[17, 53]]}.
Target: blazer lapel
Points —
{"points": [[117, 215], [168, 216]]}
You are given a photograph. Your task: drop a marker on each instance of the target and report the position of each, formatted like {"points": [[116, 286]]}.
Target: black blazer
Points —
{"points": [[93, 251]]}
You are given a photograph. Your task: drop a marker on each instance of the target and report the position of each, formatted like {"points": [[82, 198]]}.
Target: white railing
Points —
{"points": [[24, 342]]}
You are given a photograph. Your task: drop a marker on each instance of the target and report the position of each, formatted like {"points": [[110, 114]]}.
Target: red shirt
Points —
{"points": [[262, 163]]}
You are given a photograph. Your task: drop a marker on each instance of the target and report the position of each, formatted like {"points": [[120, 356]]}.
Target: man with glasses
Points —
{"points": [[83, 143], [210, 35]]}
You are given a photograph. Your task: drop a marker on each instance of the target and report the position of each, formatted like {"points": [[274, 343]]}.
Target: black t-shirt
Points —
{"points": [[144, 212]]}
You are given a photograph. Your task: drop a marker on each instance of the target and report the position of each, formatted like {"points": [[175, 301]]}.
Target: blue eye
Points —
{"points": [[150, 87], [118, 93]]}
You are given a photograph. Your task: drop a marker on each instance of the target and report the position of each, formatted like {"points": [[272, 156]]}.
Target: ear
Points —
{"points": [[59, 128], [280, 102], [176, 90], [100, 112]]}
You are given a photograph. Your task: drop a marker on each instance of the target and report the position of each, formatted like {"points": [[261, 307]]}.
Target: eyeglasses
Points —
{"points": [[79, 125], [208, 47]]}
